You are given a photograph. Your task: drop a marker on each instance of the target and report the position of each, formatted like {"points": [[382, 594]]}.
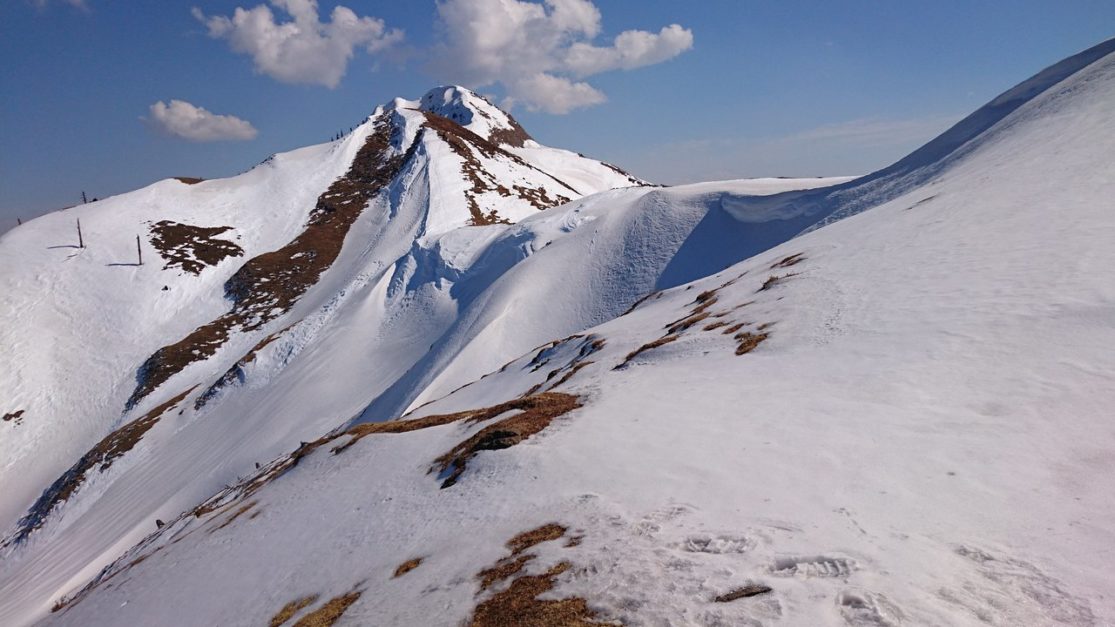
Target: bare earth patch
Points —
{"points": [[16, 417], [192, 248]]}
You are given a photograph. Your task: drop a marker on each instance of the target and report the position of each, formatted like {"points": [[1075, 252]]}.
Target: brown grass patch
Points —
{"points": [[748, 341], [100, 457], [189, 180], [290, 609], [685, 323], [662, 341], [570, 373], [534, 537], [16, 417], [190, 247], [407, 566], [331, 612], [502, 570], [704, 296], [774, 280], [268, 285], [735, 327], [742, 593], [715, 325], [537, 413], [786, 262], [519, 605]]}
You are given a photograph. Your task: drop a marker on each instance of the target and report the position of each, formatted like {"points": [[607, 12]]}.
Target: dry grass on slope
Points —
{"points": [[518, 603], [290, 609], [331, 612], [406, 567], [535, 413]]}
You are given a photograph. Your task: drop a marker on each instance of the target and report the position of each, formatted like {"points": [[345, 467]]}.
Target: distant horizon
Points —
{"points": [[674, 94]]}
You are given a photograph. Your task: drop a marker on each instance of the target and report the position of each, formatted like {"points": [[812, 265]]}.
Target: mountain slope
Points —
{"points": [[898, 418], [274, 306]]}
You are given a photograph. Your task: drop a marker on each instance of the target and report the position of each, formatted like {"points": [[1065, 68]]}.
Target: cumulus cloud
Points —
{"points": [[540, 53], [303, 49], [182, 119]]}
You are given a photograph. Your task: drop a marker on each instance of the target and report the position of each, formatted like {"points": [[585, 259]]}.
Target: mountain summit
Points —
{"points": [[437, 373]]}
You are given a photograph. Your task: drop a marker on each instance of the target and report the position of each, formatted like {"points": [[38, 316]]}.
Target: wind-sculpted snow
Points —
{"points": [[896, 419]]}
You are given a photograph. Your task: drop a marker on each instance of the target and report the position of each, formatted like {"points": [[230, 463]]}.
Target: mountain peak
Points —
{"points": [[476, 113]]}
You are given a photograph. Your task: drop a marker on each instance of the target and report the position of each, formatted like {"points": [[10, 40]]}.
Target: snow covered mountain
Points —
{"points": [[686, 405]]}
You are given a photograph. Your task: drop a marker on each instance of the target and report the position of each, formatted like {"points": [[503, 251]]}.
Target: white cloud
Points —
{"points": [[182, 119], [304, 49], [631, 49], [539, 52]]}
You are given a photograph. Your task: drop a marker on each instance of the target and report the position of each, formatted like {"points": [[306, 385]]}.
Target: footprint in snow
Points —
{"points": [[718, 544], [813, 566], [867, 609]]}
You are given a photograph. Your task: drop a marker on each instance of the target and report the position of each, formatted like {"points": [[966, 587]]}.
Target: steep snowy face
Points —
{"points": [[275, 305], [901, 418], [475, 113], [230, 264]]}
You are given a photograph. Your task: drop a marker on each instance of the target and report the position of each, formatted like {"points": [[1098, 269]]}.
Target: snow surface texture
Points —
{"points": [[916, 431]]}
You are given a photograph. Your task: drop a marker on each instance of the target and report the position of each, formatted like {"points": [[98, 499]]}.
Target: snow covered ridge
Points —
{"points": [[896, 419]]}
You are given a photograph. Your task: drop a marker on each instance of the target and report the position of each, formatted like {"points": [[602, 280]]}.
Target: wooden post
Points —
{"points": [[80, 241], [19, 222], [84, 200], [139, 251]]}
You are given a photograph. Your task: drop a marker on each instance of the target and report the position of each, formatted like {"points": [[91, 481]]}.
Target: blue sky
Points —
{"points": [[738, 88]]}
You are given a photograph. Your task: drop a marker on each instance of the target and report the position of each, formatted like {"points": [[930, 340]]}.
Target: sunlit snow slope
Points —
{"points": [[899, 418], [343, 279]]}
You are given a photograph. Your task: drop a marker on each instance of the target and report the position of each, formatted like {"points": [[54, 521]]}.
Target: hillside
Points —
{"points": [[869, 402]]}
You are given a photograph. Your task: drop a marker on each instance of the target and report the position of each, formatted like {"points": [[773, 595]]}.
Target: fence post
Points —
{"points": [[80, 241], [139, 251]]}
